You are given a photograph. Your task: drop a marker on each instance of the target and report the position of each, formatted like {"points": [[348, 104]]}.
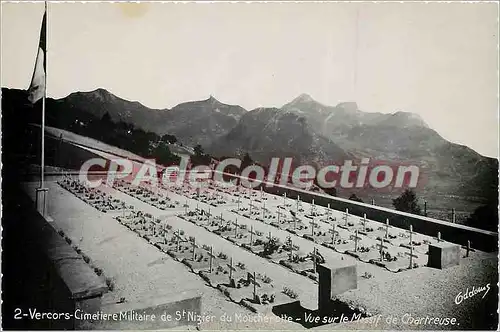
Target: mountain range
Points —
{"points": [[304, 129]]}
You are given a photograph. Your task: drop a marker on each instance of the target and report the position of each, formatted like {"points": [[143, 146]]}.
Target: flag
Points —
{"points": [[37, 85]]}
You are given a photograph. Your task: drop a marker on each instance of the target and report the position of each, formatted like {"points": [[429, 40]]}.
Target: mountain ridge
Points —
{"points": [[304, 129]]}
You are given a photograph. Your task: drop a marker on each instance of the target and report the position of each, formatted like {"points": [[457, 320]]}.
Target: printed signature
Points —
{"points": [[470, 293]]}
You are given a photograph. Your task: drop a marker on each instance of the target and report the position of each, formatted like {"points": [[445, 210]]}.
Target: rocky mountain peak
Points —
{"points": [[350, 106]]}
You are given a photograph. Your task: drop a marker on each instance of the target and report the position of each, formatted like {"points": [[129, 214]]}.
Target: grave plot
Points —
{"points": [[409, 238], [256, 241], [386, 232], [223, 271], [316, 232], [202, 218], [255, 291], [335, 236], [94, 197], [286, 221], [239, 234], [144, 225], [176, 245], [265, 214], [401, 260], [146, 195], [214, 223], [203, 259], [251, 211], [354, 244], [216, 198], [313, 212], [300, 262], [273, 249], [364, 226], [228, 228]]}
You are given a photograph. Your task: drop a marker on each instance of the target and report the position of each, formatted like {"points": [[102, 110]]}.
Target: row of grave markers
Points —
{"points": [[251, 278], [334, 233]]}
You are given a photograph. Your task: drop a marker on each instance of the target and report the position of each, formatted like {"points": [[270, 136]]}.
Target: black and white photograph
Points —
{"points": [[217, 165]]}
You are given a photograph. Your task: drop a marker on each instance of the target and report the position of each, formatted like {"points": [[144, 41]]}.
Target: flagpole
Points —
{"points": [[42, 166]]}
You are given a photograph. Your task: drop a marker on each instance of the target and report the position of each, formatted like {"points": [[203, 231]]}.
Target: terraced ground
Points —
{"points": [[131, 234]]}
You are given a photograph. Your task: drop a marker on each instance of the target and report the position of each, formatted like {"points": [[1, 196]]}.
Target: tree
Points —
{"points": [[485, 217], [163, 155], [170, 139], [355, 198], [407, 202], [200, 157], [247, 161], [198, 151], [330, 191]]}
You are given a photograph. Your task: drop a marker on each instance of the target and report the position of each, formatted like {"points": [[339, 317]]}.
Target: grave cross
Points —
{"points": [[251, 235], [194, 248], [313, 225], [411, 256], [411, 235], [235, 223], [179, 238], [381, 246], [270, 237], [356, 239], [284, 200], [231, 269], [290, 245], [298, 202], [251, 278], [387, 228], [364, 222], [263, 209], [312, 207], [438, 238], [328, 212], [334, 233], [468, 248], [211, 255], [346, 216], [315, 259], [250, 206]]}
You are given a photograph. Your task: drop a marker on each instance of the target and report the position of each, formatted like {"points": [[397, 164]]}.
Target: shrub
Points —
{"points": [[110, 284], [290, 293], [266, 279]]}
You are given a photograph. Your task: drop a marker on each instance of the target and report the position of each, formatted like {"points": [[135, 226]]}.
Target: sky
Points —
{"points": [[439, 60]]}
